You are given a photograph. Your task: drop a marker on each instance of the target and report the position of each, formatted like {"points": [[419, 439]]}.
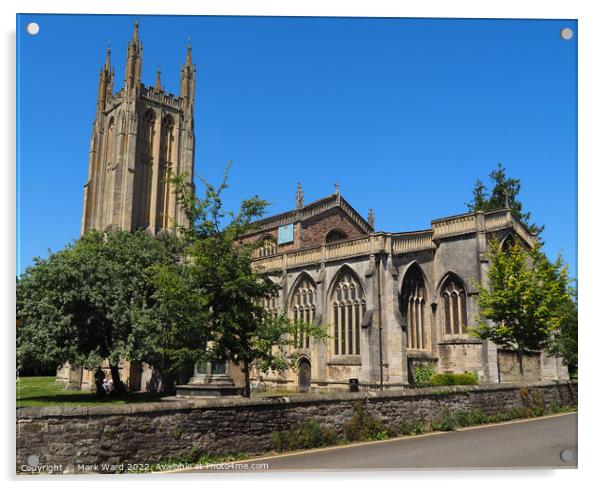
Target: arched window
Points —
{"points": [[270, 304], [267, 247], [147, 135], [335, 235], [165, 160], [453, 298], [508, 243], [413, 308], [109, 179], [348, 308], [110, 145], [303, 308], [167, 138], [144, 170]]}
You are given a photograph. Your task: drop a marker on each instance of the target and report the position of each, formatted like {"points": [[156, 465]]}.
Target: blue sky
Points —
{"points": [[404, 113]]}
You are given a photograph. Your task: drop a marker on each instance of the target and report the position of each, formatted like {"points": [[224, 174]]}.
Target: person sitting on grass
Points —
{"points": [[107, 385]]}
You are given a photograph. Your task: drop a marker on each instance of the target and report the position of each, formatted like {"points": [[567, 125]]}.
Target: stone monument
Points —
{"points": [[210, 379]]}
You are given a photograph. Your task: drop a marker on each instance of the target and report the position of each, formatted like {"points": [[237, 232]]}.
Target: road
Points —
{"points": [[532, 443]]}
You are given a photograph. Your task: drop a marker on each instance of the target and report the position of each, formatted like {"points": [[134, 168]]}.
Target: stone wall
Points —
{"points": [[156, 432], [509, 369]]}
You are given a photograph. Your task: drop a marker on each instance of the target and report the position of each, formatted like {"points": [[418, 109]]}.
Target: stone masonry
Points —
{"points": [[157, 432]]}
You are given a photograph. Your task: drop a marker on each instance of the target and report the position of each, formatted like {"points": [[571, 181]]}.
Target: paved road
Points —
{"points": [[534, 443]]}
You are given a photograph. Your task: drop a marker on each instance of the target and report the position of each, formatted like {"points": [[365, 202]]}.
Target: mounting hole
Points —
{"points": [[566, 455], [33, 460], [566, 34], [33, 28]]}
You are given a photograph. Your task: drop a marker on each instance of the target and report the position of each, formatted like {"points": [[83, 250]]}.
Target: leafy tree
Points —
{"points": [[218, 268], [524, 298], [564, 341], [503, 193], [79, 304]]}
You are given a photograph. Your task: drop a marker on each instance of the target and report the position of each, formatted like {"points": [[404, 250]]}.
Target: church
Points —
{"points": [[391, 300]]}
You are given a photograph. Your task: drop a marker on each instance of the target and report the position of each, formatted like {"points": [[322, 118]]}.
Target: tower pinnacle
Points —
{"points": [[158, 82], [371, 217], [299, 196], [188, 77]]}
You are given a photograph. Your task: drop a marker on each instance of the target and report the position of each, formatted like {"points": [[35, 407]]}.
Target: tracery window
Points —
{"points": [[348, 308], [454, 306], [110, 146], [303, 309], [508, 244], [144, 171], [270, 304], [164, 188], [266, 247], [335, 235], [413, 308], [148, 132]]}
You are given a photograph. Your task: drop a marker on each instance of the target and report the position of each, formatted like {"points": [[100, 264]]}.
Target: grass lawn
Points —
{"points": [[44, 391]]}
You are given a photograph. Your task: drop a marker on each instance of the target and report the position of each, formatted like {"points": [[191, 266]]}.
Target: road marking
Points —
{"points": [[375, 442]]}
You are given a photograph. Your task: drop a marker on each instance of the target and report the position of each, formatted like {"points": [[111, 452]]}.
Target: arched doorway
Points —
{"points": [[304, 372]]}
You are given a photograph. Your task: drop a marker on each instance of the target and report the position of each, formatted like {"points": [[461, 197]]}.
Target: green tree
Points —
{"points": [[503, 193], [524, 298], [218, 267], [565, 340], [79, 304]]}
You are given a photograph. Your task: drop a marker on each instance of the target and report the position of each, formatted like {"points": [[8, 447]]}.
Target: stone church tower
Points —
{"points": [[140, 135]]}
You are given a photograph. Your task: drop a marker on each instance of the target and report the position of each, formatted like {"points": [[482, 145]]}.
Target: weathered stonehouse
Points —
{"points": [[390, 300]]}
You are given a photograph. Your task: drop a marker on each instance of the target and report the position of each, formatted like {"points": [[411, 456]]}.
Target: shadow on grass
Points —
{"points": [[44, 391]]}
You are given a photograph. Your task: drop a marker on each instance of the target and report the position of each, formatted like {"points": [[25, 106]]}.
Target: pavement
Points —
{"points": [[540, 443]]}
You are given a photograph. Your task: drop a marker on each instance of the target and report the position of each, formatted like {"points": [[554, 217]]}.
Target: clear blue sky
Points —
{"points": [[404, 113]]}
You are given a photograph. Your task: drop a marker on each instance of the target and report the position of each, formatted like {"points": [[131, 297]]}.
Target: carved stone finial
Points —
{"points": [[299, 196], [371, 218], [337, 189]]}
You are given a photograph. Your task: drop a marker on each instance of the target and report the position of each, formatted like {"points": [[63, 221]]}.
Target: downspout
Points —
{"points": [[380, 326]]}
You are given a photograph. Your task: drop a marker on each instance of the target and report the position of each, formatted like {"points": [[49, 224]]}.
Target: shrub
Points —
{"points": [[308, 434], [469, 418], [423, 374], [363, 426], [415, 428], [454, 379], [447, 423]]}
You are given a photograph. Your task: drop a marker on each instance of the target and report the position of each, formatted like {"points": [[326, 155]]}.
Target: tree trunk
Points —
{"points": [[99, 377], [118, 386], [246, 392], [519, 354]]}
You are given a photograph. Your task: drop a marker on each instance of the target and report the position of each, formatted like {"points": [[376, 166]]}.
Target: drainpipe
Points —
{"points": [[380, 325]]}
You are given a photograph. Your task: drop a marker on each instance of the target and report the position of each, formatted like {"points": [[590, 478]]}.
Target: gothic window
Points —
{"points": [[303, 309], [166, 155], [110, 144], [267, 247], [148, 132], [144, 170], [454, 307], [270, 304], [335, 235], [108, 183], [348, 308], [413, 308], [508, 243], [167, 137]]}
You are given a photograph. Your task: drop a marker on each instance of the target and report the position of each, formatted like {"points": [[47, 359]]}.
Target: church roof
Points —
{"points": [[310, 210]]}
